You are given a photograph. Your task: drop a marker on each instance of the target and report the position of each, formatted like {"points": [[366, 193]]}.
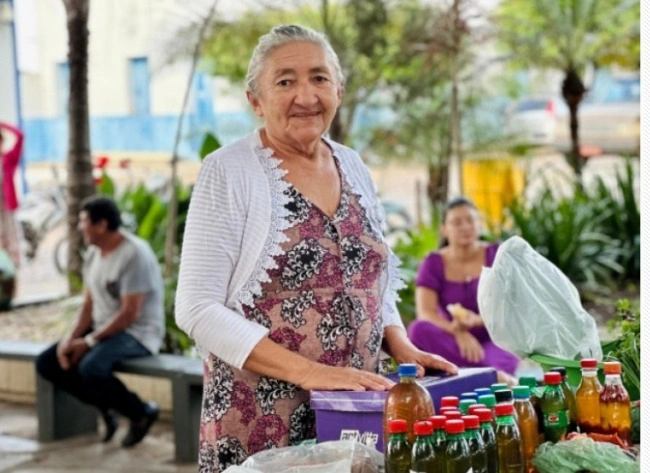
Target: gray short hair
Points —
{"points": [[279, 36]]}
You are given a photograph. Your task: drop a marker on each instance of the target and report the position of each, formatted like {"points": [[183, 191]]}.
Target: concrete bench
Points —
{"points": [[61, 415]]}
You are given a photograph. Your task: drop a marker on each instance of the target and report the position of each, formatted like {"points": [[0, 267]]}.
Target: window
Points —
{"points": [[139, 72]]}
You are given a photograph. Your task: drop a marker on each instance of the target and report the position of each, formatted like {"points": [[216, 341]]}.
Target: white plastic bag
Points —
{"points": [[529, 306], [340, 456]]}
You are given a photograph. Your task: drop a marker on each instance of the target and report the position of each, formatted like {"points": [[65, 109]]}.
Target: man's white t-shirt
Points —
{"points": [[131, 268]]}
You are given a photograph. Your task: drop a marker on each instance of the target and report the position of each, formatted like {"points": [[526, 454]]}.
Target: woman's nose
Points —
{"points": [[306, 94]]}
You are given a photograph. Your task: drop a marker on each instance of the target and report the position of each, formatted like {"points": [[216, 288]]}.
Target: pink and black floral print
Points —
{"points": [[322, 301]]}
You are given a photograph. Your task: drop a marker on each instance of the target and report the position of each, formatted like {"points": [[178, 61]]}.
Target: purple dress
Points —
{"points": [[433, 339]]}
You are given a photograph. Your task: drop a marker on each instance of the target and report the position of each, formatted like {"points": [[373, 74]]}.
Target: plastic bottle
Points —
{"points": [[615, 414], [509, 449], [554, 408], [489, 439], [423, 456], [490, 402], [476, 445], [439, 440], [528, 424], [498, 386], [588, 397], [453, 415], [449, 401], [407, 400], [536, 401], [469, 395], [457, 453], [474, 407], [398, 448], [570, 396], [464, 405], [505, 396]]}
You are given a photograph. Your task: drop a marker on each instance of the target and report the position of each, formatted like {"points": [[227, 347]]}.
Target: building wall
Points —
{"points": [[133, 107]]}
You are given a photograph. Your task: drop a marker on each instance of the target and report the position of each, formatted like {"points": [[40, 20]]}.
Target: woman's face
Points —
{"points": [[298, 92], [462, 226]]}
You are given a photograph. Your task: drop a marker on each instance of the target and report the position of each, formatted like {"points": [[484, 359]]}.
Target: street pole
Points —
{"points": [[19, 113]]}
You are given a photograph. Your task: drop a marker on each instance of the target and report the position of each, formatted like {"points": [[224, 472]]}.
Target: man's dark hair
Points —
{"points": [[102, 208]]}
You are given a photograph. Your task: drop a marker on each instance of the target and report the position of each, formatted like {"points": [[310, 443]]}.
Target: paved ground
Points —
{"points": [[20, 452]]}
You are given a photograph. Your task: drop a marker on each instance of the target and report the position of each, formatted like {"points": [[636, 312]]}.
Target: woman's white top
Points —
{"points": [[235, 225]]}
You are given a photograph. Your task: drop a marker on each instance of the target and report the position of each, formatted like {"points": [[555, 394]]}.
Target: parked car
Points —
{"points": [[532, 121], [608, 118]]}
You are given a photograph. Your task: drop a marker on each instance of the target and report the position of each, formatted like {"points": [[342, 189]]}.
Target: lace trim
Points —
{"points": [[276, 236]]}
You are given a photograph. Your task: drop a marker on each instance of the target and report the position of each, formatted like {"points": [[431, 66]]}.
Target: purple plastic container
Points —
{"points": [[352, 415]]}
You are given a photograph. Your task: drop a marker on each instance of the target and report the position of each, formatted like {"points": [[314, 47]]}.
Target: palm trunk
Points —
{"points": [[79, 163], [573, 91]]}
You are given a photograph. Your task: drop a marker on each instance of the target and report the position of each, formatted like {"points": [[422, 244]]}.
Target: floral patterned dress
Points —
{"points": [[323, 301]]}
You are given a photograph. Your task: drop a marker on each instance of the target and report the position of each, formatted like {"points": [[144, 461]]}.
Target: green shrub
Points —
{"points": [[570, 232], [411, 250], [627, 348]]}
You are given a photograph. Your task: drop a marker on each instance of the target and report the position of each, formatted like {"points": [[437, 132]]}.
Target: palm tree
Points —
{"points": [[569, 35], [79, 163]]}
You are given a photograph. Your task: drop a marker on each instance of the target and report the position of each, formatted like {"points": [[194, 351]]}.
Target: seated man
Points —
{"points": [[122, 317]]}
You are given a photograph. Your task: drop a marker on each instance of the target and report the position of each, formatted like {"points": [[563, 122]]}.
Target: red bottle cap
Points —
{"points": [[474, 407], [447, 408], [397, 426], [552, 377], [505, 409], [455, 426], [423, 427], [471, 422], [612, 367], [589, 363], [453, 415], [449, 401], [484, 415], [438, 422]]}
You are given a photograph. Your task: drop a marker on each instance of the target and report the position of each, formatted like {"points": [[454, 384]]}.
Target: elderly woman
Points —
{"points": [[285, 277]]}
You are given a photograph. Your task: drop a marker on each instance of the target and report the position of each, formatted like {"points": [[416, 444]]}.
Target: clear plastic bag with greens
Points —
{"points": [[529, 306], [341, 456], [583, 454]]}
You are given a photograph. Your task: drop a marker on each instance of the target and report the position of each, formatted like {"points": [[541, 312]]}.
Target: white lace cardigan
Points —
{"points": [[234, 229]]}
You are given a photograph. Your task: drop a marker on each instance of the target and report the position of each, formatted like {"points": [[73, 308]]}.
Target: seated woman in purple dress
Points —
{"points": [[447, 283]]}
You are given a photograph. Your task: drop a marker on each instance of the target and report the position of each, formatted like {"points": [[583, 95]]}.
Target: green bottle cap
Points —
{"points": [[529, 381], [464, 405], [521, 392], [498, 386], [488, 400]]}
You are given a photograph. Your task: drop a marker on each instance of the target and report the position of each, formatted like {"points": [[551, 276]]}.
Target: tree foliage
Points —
{"points": [[377, 42], [569, 35]]}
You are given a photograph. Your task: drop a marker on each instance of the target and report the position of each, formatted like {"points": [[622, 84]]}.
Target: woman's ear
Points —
{"points": [[255, 103]]}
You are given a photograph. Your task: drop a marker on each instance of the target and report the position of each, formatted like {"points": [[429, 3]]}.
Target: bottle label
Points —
{"points": [[559, 419]]}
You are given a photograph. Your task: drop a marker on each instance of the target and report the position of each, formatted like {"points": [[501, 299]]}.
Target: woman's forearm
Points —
{"points": [[271, 359], [438, 321]]}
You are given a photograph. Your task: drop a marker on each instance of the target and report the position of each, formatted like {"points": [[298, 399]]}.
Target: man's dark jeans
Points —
{"points": [[92, 380]]}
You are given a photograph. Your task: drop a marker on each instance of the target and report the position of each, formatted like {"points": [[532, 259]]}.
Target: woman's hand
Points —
{"points": [[332, 378], [469, 346], [400, 347]]}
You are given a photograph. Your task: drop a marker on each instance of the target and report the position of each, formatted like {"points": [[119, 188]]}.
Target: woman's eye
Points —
{"points": [[284, 83], [321, 79]]}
